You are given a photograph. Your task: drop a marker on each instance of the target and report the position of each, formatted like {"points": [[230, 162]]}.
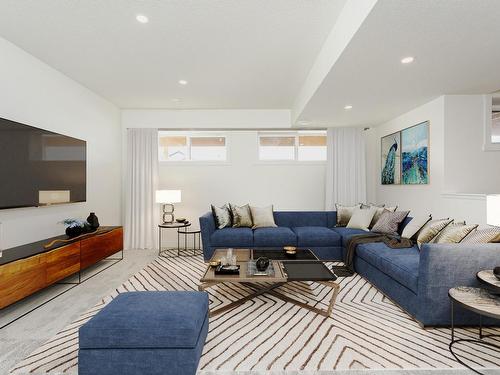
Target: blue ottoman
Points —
{"points": [[147, 333]]}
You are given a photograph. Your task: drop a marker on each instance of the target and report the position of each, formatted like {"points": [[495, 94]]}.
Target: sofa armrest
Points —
{"points": [[207, 227], [444, 266]]}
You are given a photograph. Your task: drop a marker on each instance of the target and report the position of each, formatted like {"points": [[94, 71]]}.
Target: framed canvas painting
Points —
{"points": [[391, 159], [415, 154]]}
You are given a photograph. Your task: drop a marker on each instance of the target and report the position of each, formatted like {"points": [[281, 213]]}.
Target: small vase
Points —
{"points": [[93, 221], [74, 231]]}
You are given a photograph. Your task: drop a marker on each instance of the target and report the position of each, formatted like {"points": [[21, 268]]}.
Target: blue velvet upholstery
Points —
{"points": [[145, 333], [418, 281], [232, 237], [274, 237], [317, 236]]}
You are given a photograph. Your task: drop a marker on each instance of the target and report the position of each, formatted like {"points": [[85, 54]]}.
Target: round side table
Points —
{"points": [[482, 303], [175, 225], [196, 233], [489, 280]]}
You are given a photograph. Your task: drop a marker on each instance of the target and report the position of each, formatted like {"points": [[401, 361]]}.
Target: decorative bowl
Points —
{"points": [[291, 250], [496, 272], [181, 219], [214, 263]]}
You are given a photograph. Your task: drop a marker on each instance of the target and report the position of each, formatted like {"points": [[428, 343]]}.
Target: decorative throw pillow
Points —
{"points": [[344, 214], [454, 233], [389, 222], [242, 217], [222, 216], [361, 218], [431, 230], [413, 227], [379, 212], [262, 217], [483, 235]]}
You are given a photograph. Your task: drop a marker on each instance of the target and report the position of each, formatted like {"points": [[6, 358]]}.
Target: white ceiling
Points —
{"points": [[234, 53], [456, 45]]}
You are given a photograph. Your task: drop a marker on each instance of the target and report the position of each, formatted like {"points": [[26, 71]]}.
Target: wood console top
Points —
{"points": [[34, 248]]}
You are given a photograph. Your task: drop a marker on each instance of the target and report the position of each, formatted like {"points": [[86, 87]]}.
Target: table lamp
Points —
{"points": [[168, 198]]}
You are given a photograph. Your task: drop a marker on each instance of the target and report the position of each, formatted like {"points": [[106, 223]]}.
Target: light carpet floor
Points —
{"points": [[268, 336]]}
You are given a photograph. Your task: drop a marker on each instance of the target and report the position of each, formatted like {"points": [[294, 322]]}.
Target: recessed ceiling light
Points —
{"points": [[142, 18], [348, 107], [176, 100], [183, 82], [304, 122], [407, 60]]}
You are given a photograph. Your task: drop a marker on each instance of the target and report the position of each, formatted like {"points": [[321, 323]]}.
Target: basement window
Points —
{"points": [[292, 146], [191, 146]]}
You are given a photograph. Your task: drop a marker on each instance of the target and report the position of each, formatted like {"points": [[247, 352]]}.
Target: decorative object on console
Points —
{"points": [[76, 227], [412, 229], [242, 217], [261, 264], [344, 214], [454, 233], [222, 216], [168, 198], [362, 218], [431, 230], [391, 159], [496, 272], [415, 154], [262, 217], [389, 222], [93, 221]]}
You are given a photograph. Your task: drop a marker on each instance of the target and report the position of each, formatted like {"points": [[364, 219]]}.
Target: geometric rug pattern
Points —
{"points": [[268, 336]]}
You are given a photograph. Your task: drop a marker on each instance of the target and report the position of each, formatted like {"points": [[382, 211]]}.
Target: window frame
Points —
{"points": [[289, 133], [195, 134]]}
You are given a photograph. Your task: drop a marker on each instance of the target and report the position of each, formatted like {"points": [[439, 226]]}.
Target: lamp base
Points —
{"points": [[168, 213]]}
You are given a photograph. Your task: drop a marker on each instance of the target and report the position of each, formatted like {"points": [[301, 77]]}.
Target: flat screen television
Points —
{"points": [[39, 167]]}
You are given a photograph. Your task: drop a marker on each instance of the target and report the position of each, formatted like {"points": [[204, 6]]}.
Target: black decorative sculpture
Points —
{"points": [[261, 264]]}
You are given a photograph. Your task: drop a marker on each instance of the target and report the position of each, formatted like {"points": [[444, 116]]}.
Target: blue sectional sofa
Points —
{"points": [[417, 280]]}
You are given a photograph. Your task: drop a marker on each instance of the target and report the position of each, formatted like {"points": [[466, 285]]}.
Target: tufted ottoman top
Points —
{"points": [[147, 320]]}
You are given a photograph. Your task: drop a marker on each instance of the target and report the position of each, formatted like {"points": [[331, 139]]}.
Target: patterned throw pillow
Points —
{"points": [[454, 233], [483, 235], [222, 216], [431, 230], [242, 217], [379, 212], [389, 222], [262, 217], [344, 214], [413, 227]]}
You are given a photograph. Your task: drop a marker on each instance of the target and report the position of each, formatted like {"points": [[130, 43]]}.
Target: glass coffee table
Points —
{"points": [[284, 271]]}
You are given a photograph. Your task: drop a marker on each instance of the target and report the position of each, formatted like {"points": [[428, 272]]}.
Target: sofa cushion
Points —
{"points": [[271, 237], [292, 219], [232, 237], [316, 236], [347, 233], [399, 264], [147, 320]]}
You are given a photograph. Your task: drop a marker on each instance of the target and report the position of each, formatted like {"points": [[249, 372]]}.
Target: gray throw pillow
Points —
{"points": [[242, 217], [431, 230], [483, 235], [262, 217], [389, 222], [222, 216]]}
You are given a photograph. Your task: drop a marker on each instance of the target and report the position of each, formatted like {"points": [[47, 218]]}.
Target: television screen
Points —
{"points": [[39, 167]]}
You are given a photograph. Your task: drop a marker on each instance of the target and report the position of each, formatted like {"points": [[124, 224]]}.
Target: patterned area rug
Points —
{"points": [[269, 336]]}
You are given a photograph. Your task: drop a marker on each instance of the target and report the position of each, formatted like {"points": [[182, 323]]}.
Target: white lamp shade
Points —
{"points": [[493, 209], [168, 196]]}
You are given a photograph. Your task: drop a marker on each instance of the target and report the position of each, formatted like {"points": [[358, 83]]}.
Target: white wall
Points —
{"points": [[33, 93], [461, 173]]}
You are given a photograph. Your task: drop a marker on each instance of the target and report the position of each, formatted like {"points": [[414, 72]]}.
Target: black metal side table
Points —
{"points": [[175, 225], [196, 233], [482, 303]]}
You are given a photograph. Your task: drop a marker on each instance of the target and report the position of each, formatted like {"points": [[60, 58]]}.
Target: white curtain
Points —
{"points": [[142, 212], [346, 167]]}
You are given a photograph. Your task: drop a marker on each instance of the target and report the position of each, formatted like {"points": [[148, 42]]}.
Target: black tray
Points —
{"points": [[221, 270]]}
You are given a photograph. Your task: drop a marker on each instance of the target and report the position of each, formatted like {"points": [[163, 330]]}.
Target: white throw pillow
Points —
{"points": [[262, 217], [361, 218], [413, 227]]}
